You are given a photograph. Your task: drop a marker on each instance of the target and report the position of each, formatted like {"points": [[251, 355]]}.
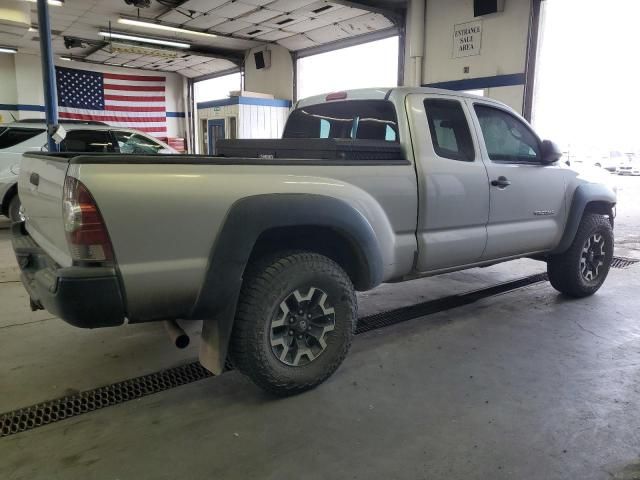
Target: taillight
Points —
{"points": [[85, 229]]}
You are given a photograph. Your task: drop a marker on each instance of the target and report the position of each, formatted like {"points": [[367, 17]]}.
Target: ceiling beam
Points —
{"points": [[393, 10]]}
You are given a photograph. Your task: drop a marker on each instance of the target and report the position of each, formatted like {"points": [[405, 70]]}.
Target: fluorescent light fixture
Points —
{"points": [[55, 3], [66, 59], [158, 26], [136, 38], [8, 50], [33, 29]]}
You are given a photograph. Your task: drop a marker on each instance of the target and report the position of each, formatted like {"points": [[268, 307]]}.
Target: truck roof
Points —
{"points": [[383, 94]]}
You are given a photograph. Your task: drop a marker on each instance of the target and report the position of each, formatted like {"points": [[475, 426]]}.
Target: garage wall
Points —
{"points": [[500, 66], [26, 73], [276, 80], [8, 92]]}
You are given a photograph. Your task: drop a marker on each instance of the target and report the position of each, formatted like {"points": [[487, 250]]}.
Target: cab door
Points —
{"points": [[527, 197], [453, 190]]}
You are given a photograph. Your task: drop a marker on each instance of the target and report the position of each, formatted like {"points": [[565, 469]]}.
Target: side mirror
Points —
{"points": [[551, 153]]}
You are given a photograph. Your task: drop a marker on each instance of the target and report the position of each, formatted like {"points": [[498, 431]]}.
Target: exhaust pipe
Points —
{"points": [[177, 335]]}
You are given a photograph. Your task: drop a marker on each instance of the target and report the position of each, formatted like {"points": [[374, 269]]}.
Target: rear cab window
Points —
{"points": [[87, 141], [12, 136], [352, 119]]}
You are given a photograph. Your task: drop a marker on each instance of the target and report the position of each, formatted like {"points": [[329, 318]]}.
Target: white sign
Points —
{"points": [[467, 38]]}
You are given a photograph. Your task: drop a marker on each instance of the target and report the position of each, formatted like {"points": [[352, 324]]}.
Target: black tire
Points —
{"points": [[269, 284], [13, 212], [567, 270]]}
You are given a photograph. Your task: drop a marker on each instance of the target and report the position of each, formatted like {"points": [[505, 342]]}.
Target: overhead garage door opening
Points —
{"points": [[372, 64], [216, 88], [586, 85], [586, 98]]}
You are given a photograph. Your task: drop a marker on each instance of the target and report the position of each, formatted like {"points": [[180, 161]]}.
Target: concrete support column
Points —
{"points": [[415, 42]]}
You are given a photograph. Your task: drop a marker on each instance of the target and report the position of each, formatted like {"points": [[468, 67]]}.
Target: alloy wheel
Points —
{"points": [[298, 332]]}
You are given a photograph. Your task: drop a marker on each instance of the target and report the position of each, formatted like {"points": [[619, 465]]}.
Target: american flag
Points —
{"points": [[132, 101]]}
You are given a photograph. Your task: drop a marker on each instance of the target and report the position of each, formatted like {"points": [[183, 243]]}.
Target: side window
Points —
{"points": [[449, 129], [87, 141], [10, 136], [325, 128], [132, 143], [390, 134], [506, 137]]}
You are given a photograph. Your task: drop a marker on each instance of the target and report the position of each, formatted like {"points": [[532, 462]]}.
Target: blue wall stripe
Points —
{"points": [[266, 102], [21, 107], [481, 82], [40, 108]]}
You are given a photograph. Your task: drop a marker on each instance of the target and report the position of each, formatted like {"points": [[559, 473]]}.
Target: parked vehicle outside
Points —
{"points": [[91, 137], [629, 165], [366, 186]]}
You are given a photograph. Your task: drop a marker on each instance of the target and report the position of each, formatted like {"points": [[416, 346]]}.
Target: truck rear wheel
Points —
{"points": [[582, 269], [296, 318]]}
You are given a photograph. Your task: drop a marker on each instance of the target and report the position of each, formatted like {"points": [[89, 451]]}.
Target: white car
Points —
{"points": [[30, 135], [629, 166]]}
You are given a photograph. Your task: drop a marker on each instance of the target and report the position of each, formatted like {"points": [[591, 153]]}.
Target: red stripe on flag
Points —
{"points": [[128, 98], [135, 88], [120, 108], [155, 130], [135, 78], [111, 118]]}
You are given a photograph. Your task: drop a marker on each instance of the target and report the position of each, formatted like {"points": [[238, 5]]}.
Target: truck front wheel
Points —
{"points": [[296, 318], [15, 210], [582, 269]]}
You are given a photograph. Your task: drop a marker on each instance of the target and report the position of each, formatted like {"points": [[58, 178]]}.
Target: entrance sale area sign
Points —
{"points": [[467, 39]]}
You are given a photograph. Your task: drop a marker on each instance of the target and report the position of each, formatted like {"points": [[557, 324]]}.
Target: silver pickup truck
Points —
{"points": [[366, 186]]}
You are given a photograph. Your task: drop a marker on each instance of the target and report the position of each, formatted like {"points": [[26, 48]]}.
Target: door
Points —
{"points": [[216, 132], [453, 186], [527, 197]]}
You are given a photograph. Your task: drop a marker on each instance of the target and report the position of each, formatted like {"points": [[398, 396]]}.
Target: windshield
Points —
{"points": [[354, 119], [12, 136]]}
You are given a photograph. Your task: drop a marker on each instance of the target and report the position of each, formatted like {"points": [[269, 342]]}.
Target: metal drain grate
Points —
{"points": [[622, 262], [90, 400], [73, 405]]}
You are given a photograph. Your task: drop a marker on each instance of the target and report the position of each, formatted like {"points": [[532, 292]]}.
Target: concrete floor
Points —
{"points": [[525, 385]]}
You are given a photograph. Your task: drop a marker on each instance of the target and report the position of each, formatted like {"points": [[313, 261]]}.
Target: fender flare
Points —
{"points": [[246, 220], [583, 195]]}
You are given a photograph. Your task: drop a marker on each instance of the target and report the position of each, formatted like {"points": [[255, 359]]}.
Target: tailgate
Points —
{"points": [[40, 188]]}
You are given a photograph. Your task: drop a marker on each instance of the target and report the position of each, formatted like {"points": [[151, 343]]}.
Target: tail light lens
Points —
{"points": [[85, 229]]}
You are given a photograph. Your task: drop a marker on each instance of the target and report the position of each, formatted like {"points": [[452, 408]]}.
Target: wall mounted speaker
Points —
{"points": [[262, 59], [486, 7]]}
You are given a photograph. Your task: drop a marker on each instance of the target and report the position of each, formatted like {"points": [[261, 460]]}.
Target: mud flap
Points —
{"points": [[214, 343]]}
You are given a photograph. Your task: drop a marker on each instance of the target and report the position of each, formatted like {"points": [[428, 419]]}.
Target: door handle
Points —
{"points": [[34, 178], [501, 182]]}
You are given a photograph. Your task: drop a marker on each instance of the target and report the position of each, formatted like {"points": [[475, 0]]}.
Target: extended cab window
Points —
{"points": [[449, 129], [506, 137], [11, 136], [355, 119], [87, 141]]}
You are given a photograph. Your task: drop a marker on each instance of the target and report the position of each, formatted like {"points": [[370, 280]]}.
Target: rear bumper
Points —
{"points": [[86, 297]]}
